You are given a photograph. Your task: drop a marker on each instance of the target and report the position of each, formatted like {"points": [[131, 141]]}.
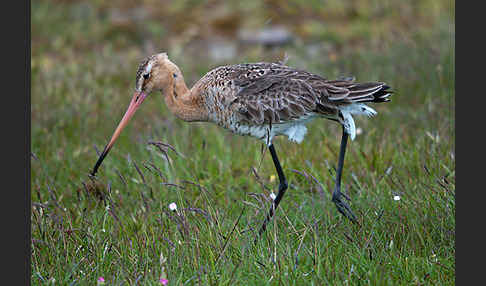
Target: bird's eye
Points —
{"points": [[146, 75], [174, 75]]}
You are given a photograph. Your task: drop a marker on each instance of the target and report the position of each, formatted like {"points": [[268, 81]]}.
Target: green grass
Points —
{"points": [[83, 70]]}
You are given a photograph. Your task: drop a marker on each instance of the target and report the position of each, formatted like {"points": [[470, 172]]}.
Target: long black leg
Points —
{"points": [[282, 187], [341, 205]]}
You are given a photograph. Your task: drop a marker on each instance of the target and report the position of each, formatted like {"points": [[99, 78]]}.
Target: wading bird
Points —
{"points": [[262, 100]]}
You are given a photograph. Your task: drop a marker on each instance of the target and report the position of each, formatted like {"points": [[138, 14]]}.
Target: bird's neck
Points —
{"points": [[184, 103]]}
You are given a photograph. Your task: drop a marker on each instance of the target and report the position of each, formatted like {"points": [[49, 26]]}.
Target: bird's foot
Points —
{"points": [[342, 206]]}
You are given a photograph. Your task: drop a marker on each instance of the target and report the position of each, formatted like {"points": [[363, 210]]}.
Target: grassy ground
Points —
{"points": [[84, 58]]}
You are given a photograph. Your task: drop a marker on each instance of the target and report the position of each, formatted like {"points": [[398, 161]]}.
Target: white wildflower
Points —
{"points": [[396, 198], [173, 207], [272, 196]]}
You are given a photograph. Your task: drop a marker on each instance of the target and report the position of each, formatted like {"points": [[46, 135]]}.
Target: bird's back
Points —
{"points": [[257, 94]]}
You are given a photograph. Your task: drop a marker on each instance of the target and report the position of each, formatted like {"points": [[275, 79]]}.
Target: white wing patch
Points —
{"points": [[296, 133], [348, 123], [355, 108]]}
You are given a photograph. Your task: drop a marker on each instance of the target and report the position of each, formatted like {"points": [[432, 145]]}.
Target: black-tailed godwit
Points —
{"points": [[262, 100]]}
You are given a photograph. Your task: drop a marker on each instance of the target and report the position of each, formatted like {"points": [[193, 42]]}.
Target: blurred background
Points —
{"points": [[199, 35]]}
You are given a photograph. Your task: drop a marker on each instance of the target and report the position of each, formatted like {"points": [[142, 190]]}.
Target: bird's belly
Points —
{"points": [[257, 131], [294, 130]]}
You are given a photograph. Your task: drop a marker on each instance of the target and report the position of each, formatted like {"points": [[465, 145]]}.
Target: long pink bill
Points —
{"points": [[137, 99]]}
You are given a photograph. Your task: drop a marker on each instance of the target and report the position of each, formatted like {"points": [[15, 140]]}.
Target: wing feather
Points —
{"points": [[274, 93]]}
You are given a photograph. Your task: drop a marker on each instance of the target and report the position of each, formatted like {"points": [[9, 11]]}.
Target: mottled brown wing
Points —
{"points": [[275, 99], [273, 93]]}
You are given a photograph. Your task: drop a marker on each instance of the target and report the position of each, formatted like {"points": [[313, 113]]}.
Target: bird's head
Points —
{"points": [[155, 73]]}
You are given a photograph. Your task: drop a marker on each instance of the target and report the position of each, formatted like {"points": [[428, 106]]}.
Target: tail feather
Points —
{"points": [[350, 98], [364, 92], [370, 92]]}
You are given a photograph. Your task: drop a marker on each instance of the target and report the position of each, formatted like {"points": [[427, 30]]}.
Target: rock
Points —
{"points": [[221, 49], [268, 36]]}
